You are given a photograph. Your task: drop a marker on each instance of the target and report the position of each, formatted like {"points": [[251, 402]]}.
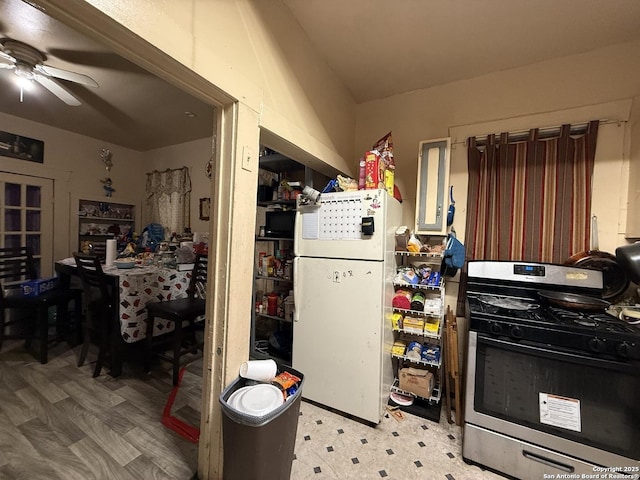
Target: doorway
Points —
{"points": [[26, 213]]}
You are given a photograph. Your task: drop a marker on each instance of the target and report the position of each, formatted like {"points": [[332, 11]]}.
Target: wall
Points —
{"points": [[74, 163], [257, 53], [194, 155], [536, 93]]}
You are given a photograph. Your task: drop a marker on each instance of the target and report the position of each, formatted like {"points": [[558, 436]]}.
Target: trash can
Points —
{"points": [[259, 447]]}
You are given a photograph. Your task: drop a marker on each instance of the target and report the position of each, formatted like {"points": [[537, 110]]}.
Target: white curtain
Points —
{"points": [[168, 196]]}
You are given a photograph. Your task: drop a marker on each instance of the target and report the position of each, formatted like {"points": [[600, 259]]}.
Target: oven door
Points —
{"points": [[583, 406]]}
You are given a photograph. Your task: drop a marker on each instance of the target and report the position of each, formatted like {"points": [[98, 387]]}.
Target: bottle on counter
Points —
{"points": [[289, 306], [272, 303], [361, 175], [288, 270]]}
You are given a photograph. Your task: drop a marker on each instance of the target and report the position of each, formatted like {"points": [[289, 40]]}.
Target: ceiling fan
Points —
{"points": [[27, 63]]}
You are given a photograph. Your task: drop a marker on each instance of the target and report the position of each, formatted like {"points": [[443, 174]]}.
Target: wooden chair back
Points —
{"points": [[17, 265], [198, 282], [94, 280]]}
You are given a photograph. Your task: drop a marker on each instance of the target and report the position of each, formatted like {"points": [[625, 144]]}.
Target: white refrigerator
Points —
{"points": [[343, 271]]}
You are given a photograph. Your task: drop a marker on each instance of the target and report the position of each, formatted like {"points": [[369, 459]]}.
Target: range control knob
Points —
{"points": [[495, 328], [516, 332], [597, 345], [623, 349]]}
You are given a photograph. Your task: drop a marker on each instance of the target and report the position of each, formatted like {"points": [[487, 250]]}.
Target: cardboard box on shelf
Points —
{"points": [[402, 238], [413, 324], [417, 381], [398, 348]]}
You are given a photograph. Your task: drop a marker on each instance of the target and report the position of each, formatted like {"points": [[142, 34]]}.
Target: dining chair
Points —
{"points": [[99, 306], [183, 312], [16, 267]]}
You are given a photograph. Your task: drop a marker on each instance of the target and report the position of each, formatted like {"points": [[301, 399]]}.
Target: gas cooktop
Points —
{"points": [[598, 333], [503, 301]]}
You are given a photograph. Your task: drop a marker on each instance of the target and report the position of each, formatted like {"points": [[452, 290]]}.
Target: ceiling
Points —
{"points": [[381, 48], [378, 48], [131, 107]]}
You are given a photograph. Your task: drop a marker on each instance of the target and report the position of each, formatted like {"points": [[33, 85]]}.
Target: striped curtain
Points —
{"points": [[530, 200]]}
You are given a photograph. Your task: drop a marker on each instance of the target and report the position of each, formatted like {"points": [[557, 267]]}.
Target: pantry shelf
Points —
{"points": [[435, 397], [418, 328], [273, 317], [418, 285], [421, 313], [274, 279], [436, 335], [434, 255], [419, 362]]}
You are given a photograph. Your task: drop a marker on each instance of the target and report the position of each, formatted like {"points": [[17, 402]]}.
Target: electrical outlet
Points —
{"points": [[247, 158]]}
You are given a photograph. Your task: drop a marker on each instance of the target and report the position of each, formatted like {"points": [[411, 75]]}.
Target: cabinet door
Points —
{"points": [[431, 191]]}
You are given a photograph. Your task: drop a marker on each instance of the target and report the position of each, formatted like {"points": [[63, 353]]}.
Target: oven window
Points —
{"points": [[598, 402]]}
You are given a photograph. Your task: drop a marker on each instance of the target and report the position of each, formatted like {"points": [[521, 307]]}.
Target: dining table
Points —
{"points": [[133, 288]]}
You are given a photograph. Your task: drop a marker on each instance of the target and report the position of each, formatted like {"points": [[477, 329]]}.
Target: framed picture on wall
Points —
{"points": [[21, 147], [205, 208]]}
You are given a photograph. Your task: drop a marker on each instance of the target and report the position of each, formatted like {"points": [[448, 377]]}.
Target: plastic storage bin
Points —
{"points": [[259, 448]]}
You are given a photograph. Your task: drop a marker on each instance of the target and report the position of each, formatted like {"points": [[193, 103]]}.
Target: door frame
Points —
{"points": [[232, 224]]}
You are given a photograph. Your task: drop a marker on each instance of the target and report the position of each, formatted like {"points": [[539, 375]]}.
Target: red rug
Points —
{"points": [[186, 431]]}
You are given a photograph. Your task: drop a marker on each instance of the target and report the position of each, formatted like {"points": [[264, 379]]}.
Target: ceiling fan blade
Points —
{"points": [[6, 59], [66, 75], [7, 65], [57, 89]]}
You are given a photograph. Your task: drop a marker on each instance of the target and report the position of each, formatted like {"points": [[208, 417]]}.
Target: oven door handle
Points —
{"points": [[547, 461], [585, 359]]}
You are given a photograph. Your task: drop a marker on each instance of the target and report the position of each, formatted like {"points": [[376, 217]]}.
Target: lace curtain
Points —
{"points": [[167, 199]]}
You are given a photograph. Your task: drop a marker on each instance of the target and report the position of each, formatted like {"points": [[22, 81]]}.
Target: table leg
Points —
{"points": [[117, 342], [43, 327]]}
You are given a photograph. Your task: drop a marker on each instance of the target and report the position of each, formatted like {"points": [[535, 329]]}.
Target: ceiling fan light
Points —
{"points": [[24, 83], [23, 71]]}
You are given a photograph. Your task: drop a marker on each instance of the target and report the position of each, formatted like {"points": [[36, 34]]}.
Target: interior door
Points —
{"points": [[26, 210]]}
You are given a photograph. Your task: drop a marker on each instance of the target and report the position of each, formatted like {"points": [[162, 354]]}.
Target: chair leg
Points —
{"points": [[77, 331], [193, 339], [62, 321], [86, 334], [43, 327], [177, 344], [2, 327], [148, 343], [103, 343]]}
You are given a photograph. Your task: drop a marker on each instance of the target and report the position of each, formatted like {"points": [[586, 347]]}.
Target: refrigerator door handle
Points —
{"points": [[296, 281]]}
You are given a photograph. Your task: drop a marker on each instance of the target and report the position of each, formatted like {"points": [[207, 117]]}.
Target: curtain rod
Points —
{"points": [[168, 170], [544, 132]]}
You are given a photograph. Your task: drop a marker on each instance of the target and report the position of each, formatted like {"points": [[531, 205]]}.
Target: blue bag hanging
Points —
{"points": [[452, 208], [454, 256]]}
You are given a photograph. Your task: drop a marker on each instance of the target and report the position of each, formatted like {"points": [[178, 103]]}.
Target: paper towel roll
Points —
{"points": [[112, 251]]}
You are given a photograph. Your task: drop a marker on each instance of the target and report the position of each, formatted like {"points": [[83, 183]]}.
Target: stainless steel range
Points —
{"points": [[553, 381]]}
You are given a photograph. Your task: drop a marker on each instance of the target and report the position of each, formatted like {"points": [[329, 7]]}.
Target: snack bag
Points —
{"points": [[387, 166], [287, 382]]}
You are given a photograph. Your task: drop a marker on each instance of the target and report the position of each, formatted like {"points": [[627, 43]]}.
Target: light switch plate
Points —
{"points": [[247, 158]]}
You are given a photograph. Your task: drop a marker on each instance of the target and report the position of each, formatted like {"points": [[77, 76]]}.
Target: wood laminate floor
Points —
{"points": [[59, 423]]}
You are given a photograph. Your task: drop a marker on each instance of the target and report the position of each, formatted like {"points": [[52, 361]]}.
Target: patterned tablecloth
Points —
{"points": [[141, 285]]}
